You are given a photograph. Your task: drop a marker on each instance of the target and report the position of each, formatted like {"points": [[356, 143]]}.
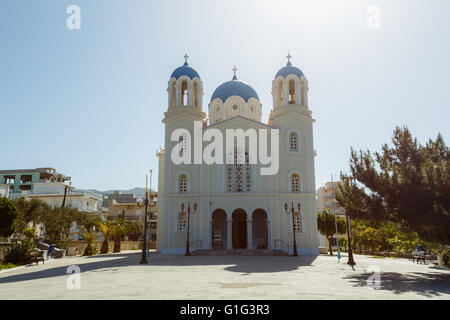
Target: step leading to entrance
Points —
{"points": [[239, 252]]}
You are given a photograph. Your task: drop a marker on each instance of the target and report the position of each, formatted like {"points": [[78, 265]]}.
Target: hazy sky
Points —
{"points": [[90, 102]]}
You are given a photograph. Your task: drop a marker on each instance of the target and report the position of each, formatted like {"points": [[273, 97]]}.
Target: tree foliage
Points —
{"points": [[8, 216], [32, 210], [121, 228], [406, 183], [326, 223], [107, 229], [90, 236]]}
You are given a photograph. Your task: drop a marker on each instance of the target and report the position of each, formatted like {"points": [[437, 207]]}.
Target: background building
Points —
{"points": [[25, 179], [326, 200], [127, 205], [53, 188], [4, 190]]}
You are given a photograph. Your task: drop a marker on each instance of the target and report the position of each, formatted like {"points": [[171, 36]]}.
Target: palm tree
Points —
{"points": [[121, 228], [90, 237], [107, 229]]}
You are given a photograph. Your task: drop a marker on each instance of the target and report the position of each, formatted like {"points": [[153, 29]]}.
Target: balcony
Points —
{"points": [[129, 217]]}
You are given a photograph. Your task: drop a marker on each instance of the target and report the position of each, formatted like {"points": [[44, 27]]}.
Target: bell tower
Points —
{"points": [[185, 88], [290, 87]]}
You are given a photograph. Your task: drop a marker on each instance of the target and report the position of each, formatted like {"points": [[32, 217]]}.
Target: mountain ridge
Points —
{"points": [[140, 192]]}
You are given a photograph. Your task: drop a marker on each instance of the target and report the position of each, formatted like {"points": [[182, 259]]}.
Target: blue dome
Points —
{"points": [[234, 88], [184, 70], [289, 69]]}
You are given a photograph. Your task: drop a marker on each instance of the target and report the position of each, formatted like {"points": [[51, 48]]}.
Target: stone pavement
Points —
{"points": [[119, 276]]}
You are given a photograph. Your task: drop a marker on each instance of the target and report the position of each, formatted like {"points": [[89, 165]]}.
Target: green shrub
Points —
{"points": [[22, 250], [447, 259], [19, 253], [90, 251]]}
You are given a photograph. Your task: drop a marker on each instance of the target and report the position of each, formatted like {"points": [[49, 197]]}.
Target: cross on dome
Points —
{"points": [[185, 58], [234, 70], [289, 59]]}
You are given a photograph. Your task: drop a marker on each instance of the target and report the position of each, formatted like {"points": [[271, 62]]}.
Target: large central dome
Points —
{"points": [[234, 87]]}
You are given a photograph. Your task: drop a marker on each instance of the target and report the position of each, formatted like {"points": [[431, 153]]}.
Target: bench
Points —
{"points": [[36, 256]]}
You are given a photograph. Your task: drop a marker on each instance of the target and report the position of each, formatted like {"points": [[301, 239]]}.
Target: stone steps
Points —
{"points": [[239, 252]]}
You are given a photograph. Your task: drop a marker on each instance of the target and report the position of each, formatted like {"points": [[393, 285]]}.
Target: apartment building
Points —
{"points": [[127, 205], [326, 200]]}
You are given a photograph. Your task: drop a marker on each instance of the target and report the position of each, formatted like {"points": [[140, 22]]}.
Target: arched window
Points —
{"points": [[182, 183], [291, 91], [280, 93], [182, 222], [184, 93], [295, 183], [183, 142], [293, 141]]}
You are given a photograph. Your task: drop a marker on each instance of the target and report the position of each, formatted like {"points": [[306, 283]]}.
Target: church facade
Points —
{"points": [[232, 205]]}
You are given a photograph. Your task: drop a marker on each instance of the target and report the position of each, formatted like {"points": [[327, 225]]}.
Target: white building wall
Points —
{"points": [[207, 183], [4, 190]]}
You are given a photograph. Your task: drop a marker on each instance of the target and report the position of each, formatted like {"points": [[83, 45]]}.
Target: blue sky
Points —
{"points": [[89, 102]]}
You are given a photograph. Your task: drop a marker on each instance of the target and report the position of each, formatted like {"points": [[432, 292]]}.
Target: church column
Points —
{"points": [[285, 91], [274, 94], [190, 99], [200, 95], [210, 244], [229, 234], [178, 93], [249, 234], [305, 94], [269, 235], [298, 92], [169, 91]]}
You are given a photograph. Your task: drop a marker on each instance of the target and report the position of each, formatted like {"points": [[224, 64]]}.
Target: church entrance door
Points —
{"points": [[259, 229], [219, 229], [239, 229]]}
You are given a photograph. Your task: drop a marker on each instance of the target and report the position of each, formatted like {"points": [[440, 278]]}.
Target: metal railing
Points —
{"points": [[281, 242]]}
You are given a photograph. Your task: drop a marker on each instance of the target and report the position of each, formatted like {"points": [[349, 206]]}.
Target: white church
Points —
{"points": [[233, 206]]}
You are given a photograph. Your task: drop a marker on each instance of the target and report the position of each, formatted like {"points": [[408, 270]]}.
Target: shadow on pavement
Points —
{"points": [[242, 264], [426, 284]]}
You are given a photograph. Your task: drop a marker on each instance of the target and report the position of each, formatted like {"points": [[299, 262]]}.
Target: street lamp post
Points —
{"points": [[350, 262], [188, 253], [145, 203], [295, 254]]}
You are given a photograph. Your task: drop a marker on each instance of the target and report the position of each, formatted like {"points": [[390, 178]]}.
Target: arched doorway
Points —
{"points": [[239, 229], [260, 236], [219, 229]]}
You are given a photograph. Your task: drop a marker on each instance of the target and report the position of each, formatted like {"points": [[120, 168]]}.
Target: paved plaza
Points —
{"points": [[119, 276]]}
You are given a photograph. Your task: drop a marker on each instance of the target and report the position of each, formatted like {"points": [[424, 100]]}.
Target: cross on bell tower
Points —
{"points": [[289, 59], [234, 70]]}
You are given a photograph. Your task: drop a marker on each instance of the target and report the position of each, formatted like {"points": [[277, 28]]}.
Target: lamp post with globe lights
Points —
{"points": [[188, 253], [286, 207], [145, 203], [350, 262]]}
